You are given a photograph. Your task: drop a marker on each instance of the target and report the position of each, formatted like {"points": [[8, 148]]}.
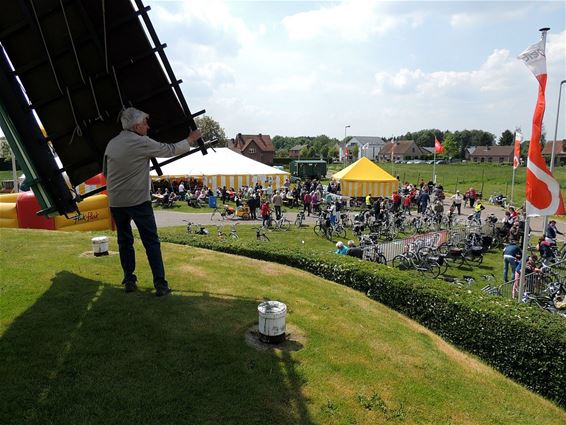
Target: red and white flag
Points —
{"points": [[543, 191], [517, 150], [438, 148]]}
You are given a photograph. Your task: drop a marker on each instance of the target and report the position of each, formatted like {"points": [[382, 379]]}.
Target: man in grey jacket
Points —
{"points": [[126, 167]]}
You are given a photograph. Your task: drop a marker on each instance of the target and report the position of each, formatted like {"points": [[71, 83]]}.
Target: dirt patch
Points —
{"points": [[90, 254], [453, 353], [192, 270], [295, 340]]}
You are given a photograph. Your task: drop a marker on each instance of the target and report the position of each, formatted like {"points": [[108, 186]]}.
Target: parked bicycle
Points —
{"points": [[300, 218], [260, 234], [280, 223], [196, 229], [234, 231]]}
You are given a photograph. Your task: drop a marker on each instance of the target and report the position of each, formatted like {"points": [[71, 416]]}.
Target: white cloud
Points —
{"points": [[350, 20], [494, 75], [205, 79], [207, 22], [464, 20]]}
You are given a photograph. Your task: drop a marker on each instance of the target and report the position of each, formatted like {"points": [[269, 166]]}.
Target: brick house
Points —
{"points": [[402, 150], [496, 154], [295, 151], [258, 147], [559, 151]]}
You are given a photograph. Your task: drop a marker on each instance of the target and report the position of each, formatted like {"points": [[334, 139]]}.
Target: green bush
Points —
{"points": [[524, 343]]}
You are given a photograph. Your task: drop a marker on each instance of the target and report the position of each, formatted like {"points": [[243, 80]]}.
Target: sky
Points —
{"points": [[298, 68]]}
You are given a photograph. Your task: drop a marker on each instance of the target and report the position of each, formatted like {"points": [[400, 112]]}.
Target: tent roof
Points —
{"points": [[223, 162], [363, 170]]}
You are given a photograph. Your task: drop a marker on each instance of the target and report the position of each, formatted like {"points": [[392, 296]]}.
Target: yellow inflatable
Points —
{"points": [[16, 211]]}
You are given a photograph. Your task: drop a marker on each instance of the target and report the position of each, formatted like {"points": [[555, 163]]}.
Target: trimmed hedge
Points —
{"points": [[524, 343]]}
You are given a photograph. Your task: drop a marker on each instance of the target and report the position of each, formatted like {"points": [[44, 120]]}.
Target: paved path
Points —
{"points": [[172, 218]]}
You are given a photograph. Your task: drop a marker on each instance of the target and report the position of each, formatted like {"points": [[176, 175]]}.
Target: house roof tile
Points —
{"points": [[495, 150]]}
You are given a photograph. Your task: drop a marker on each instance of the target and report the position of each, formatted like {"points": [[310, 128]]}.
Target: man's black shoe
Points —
{"points": [[130, 286], [160, 292]]}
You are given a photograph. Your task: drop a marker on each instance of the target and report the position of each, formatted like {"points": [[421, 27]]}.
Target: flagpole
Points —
{"points": [[545, 223], [523, 259], [526, 230], [434, 166], [513, 186], [514, 169]]}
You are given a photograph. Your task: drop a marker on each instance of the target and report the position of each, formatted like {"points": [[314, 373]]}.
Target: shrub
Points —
{"points": [[526, 344]]}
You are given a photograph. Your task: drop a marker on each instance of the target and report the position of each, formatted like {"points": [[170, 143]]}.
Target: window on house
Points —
{"points": [[413, 150], [252, 150]]}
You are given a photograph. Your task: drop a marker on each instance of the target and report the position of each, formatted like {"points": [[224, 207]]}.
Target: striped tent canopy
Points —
{"points": [[364, 177], [223, 168]]}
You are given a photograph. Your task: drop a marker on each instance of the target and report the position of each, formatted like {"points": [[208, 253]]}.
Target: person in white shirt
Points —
{"points": [[457, 200]]}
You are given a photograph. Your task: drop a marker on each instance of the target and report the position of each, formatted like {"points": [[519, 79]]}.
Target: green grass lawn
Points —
{"points": [[75, 349]]}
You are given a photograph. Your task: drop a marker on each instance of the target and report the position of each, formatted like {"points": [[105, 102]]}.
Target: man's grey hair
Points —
{"points": [[132, 116]]}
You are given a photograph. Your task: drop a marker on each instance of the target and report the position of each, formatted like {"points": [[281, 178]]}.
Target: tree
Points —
{"points": [[211, 130], [451, 148], [507, 138], [5, 151], [333, 152], [353, 151]]}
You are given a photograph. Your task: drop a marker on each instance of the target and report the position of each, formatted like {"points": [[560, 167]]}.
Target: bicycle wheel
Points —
{"points": [[328, 233], [430, 269], [339, 231], [401, 262], [380, 259], [318, 230], [285, 224], [298, 222]]}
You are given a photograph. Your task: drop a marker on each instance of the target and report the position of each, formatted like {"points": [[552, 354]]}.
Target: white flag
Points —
{"points": [[535, 58]]}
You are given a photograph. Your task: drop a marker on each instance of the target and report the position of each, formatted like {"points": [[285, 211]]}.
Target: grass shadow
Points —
{"points": [[86, 352]]}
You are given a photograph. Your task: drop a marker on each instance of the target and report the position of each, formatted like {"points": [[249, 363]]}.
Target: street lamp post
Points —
{"points": [[346, 127]]}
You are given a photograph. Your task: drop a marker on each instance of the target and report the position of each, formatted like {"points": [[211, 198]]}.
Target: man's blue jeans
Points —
{"points": [[506, 263], [143, 217]]}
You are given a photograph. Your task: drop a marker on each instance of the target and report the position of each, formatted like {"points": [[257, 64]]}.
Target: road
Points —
{"points": [[166, 218]]}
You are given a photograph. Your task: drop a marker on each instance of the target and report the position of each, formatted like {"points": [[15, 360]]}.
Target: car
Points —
{"points": [[441, 161], [430, 161], [411, 162]]}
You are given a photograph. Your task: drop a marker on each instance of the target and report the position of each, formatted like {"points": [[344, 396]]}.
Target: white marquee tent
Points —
{"points": [[222, 168]]}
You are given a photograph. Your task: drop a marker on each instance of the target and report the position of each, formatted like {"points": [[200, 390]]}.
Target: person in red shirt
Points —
{"points": [[265, 213], [307, 203], [407, 203], [396, 199]]}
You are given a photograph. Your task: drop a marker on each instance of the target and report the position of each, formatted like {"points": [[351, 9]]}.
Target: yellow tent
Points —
{"points": [[363, 177]]}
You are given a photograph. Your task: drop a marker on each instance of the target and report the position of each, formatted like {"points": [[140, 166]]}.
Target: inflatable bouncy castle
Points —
{"points": [[18, 210]]}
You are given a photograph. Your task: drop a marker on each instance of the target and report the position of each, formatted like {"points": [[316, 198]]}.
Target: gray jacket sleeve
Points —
{"points": [[165, 150]]}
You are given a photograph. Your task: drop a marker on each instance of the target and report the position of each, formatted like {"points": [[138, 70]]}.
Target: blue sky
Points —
{"points": [[307, 68]]}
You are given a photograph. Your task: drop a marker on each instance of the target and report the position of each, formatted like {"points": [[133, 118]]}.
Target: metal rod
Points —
{"points": [[169, 71], [552, 159]]}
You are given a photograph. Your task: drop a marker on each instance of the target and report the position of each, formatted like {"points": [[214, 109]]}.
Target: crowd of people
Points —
{"points": [[314, 197]]}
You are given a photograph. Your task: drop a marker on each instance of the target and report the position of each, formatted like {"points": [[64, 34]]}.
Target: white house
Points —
{"points": [[367, 146]]}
